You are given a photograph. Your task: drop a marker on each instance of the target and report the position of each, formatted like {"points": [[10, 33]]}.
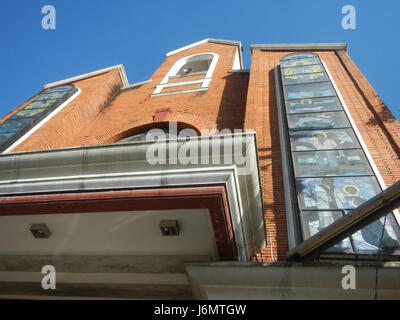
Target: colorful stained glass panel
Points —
{"points": [[313, 105], [314, 221], [331, 163], [310, 90], [336, 193], [299, 62], [305, 78], [300, 55], [367, 239], [323, 140], [303, 69], [323, 120]]}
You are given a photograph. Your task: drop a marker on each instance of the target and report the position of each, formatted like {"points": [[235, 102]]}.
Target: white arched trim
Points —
{"points": [[180, 63]]}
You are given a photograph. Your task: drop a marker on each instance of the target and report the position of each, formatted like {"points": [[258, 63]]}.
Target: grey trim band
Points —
{"points": [[300, 46]]}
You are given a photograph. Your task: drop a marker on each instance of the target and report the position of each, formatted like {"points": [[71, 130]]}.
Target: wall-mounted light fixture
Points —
{"points": [[169, 227], [40, 231]]}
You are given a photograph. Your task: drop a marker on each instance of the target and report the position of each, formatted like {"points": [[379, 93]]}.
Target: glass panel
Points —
{"points": [[13, 125], [39, 104], [335, 193], [311, 90], [323, 139], [305, 78], [298, 56], [299, 62], [5, 136], [325, 120], [331, 163], [367, 239], [25, 118], [304, 69], [313, 105], [24, 113], [51, 95], [314, 221], [66, 87]]}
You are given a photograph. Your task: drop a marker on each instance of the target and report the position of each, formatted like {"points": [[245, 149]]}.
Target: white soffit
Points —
{"points": [[116, 233]]}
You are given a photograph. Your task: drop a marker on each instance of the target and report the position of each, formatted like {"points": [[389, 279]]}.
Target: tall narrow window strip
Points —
{"points": [[25, 119], [331, 173]]}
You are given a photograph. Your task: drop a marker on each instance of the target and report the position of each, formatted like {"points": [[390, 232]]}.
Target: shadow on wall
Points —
{"points": [[277, 208], [232, 108]]}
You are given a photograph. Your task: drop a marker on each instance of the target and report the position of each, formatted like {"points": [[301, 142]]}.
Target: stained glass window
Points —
{"points": [[25, 119], [323, 140], [331, 163], [299, 62], [323, 120], [305, 78], [314, 221], [311, 90], [331, 173], [313, 105]]}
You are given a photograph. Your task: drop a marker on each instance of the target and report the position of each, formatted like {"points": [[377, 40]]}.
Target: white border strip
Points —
{"points": [[120, 68], [187, 47], [359, 137], [136, 84], [212, 40], [41, 123]]}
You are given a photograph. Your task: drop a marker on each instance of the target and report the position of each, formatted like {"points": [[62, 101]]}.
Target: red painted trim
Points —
{"points": [[212, 198]]}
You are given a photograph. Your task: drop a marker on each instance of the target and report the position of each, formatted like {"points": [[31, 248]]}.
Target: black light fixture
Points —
{"points": [[40, 231], [169, 227]]}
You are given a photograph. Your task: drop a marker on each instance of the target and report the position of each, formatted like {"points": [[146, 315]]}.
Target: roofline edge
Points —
{"points": [[118, 67], [300, 46]]}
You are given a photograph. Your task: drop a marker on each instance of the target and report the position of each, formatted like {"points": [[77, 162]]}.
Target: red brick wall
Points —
{"points": [[61, 129], [221, 106], [102, 114], [379, 129]]}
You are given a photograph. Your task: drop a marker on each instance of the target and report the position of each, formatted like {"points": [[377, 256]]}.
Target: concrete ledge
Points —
{"points": [[311, 281], [176, 92], [239, 71], [136, 84]]}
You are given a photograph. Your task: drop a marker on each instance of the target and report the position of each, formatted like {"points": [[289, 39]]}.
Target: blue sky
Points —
{"points": [[91, 35]]}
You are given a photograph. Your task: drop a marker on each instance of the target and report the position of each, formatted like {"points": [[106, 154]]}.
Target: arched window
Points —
{"points": [[34, 112], [329, 169], [192, 73], [196, 65], [159, 133]]}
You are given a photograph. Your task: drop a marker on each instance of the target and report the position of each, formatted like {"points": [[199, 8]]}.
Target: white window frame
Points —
{"points": [[180, 63]]}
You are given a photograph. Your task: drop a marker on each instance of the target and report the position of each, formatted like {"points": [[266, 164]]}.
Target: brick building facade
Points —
{"points": [[70, 162]]}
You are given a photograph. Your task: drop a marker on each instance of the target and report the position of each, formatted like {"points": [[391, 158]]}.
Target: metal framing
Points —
{"points": [[293, 225]]}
